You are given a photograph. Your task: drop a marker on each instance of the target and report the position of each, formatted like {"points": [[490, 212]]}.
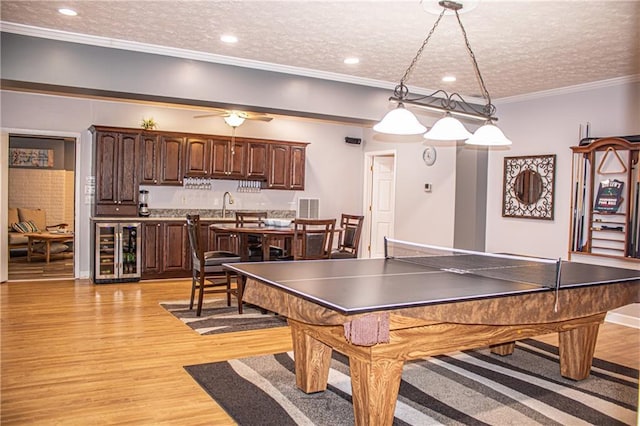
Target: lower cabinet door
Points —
{"points": [[167, 253], [177, 252]]}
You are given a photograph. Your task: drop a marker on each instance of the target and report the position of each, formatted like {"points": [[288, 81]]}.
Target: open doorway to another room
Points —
{"points": [[41, 207]]}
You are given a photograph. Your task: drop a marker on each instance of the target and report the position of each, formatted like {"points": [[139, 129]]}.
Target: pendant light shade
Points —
{"points": [[488, 135], [234, 120], [447, 129], [400, 121]]}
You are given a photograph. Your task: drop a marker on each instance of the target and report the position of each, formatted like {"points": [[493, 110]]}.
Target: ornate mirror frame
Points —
{"points": [[527, 190]]}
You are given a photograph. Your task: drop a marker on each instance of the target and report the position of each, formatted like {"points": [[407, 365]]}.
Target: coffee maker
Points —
{"points": [[143, 207]]}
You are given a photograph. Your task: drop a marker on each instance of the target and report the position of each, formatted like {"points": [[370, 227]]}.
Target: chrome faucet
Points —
{"points": [[224, 203]]}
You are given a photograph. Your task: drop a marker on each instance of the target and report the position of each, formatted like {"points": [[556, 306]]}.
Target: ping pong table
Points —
{"points": [[383, 312]]}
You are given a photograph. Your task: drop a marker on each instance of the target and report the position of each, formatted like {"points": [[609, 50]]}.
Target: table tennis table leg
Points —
{"points": [[503, 349], [375, 384], [312, 360], [576, 347]]}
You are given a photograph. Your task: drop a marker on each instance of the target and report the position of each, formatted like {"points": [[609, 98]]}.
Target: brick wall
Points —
{"points": [[49, 190]]}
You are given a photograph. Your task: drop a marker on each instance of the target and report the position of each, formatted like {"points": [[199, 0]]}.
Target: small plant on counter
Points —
{"points": [[149, 123]]}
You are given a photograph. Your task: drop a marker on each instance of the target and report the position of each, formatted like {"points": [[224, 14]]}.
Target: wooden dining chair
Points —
{"points": [[348, 237], [254, 242], [208, 275], [312, 238]]}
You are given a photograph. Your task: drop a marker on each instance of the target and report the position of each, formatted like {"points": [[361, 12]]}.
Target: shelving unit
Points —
{"points": [[605, 197]]}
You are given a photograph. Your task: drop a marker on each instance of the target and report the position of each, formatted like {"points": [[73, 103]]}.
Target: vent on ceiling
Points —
{"points": [[308, 208]]}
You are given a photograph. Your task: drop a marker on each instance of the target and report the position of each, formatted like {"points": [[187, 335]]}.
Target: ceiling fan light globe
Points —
{"points": [[234, 120], [400, 121], [447, 129], [488, 135]]}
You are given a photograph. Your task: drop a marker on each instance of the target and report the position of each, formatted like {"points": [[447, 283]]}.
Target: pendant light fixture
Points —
{"points": [[448, 127], [234, 119]]}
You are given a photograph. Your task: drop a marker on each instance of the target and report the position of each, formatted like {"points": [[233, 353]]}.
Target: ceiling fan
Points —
{"points": [[236, 118]]}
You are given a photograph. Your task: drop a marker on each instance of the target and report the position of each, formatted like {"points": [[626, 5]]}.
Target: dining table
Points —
{"points": [[266, 233]]}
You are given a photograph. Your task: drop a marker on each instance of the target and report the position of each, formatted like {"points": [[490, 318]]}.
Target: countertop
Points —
{"points": [[213, 215], [158, 219]]}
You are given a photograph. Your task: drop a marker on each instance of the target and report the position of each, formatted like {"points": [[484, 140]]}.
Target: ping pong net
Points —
{"points": [[530, 270]]}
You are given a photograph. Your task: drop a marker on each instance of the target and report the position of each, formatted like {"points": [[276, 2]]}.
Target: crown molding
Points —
{"points": [[113, 43], [571, 89], [91, 40]]}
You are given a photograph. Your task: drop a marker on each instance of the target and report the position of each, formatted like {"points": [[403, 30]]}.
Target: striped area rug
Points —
{"points": [[217, 317], [470, 388]]}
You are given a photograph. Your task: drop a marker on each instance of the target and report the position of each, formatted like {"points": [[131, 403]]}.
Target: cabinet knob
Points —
{"points": [[155, 181]]}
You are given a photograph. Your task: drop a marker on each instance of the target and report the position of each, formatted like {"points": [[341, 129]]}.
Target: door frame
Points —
{"points": [[365, 248], [4, 190]]}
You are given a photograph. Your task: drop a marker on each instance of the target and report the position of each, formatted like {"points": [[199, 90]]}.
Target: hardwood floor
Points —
{"points": [[60, 266], [77, 353]]}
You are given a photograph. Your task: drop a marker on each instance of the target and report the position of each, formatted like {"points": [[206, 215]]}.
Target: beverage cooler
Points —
{"points": [[117, 252]]}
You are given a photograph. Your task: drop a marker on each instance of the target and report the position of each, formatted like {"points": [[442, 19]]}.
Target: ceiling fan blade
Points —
{"points": [[260, 118], [215, 114]]}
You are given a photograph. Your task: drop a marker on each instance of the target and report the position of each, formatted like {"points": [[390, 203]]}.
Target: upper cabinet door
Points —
{"points": [[171, 160], [257, 164], [127, 170], [149, 159], [237, 160], [106, 167], [297, 168], [220, 154], [279, 167], [198, 157]]}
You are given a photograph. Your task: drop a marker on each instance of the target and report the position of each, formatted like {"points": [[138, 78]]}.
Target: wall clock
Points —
{"points": [[429, 155]]}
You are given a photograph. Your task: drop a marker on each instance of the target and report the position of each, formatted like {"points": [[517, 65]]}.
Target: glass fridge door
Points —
{"points": [[106, 251], [130, 254]]}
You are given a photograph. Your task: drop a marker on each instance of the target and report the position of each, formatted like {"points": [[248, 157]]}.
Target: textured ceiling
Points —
{"points": [[521, 47]]}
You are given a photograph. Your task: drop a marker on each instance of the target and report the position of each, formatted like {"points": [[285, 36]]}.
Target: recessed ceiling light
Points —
{"points": [[68, 12], [351, 61], [449, 78], [228, 38]]}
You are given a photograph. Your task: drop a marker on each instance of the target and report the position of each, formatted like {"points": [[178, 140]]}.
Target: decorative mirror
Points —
{"points": [[528, 187]]}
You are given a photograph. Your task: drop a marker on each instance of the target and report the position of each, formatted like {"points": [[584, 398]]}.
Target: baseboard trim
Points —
{"points": [[621, 319]]}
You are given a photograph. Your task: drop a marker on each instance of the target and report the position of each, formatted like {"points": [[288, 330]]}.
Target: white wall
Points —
{"points": [[551, 125], [423, 217], [333, 168]]}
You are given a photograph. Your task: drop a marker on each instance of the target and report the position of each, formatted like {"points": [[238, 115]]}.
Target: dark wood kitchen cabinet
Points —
{"points": [[197, 157], [161, 160], [286, 166], [166, 250], [116, 158], [297, 167], [171, 160], [151, 249], [149, 159], [126, 158], [224, 159], [228, 158], [257, 160], [221, 240]]}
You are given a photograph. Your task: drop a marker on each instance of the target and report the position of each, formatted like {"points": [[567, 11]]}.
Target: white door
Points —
{"points": [[381, 189]]}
